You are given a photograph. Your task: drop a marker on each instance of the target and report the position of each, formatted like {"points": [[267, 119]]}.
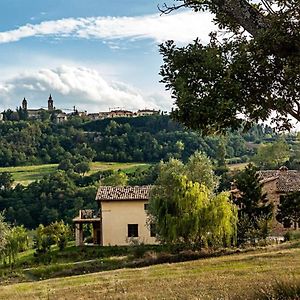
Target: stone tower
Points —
{"points": [[50, 103], [24, 104]]}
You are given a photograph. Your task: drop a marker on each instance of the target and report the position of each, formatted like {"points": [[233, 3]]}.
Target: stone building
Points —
{"points": [[276, 183], [121, 217], [120, 113], [146, 112], [36, 113]]}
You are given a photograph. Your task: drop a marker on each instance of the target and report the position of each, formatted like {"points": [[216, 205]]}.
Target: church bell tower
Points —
{"points": [[50, 103], [24, 104]]}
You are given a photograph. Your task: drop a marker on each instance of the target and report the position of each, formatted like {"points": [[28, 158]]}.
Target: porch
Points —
{"points": [[88, 216]]}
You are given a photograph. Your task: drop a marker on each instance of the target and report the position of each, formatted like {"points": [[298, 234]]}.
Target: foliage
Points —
{"points": [[143, 139], [57, 196], [115, 179], [292, 235], [289, 209], [200, 169], [188, 211], [6, 181], [17, 241], [241, 79], [255, 212], [4, 229], [57, 233], [82, 167], [272, 156]]}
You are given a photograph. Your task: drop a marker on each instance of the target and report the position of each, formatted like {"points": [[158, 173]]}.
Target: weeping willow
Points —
{"points": [[189, 212]]}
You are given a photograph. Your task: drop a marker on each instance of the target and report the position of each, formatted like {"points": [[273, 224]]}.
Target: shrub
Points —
{"points": [[292, 235]]}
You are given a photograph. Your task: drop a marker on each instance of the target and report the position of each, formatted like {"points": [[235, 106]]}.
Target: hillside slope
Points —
{"points": [[238, 276]]}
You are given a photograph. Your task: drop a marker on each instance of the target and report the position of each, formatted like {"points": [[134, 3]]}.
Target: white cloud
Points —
{"points": [[70, 85], [181, 27]]}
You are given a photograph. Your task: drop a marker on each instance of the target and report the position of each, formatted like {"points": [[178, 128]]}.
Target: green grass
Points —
{"points": [[27, 174], [238, 276]]}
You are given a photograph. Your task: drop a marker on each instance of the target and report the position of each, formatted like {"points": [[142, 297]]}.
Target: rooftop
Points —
{"points": [[123, 193], [286, 180]]}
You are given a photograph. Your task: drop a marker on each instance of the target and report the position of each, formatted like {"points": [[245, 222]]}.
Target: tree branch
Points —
{"points": [[241, 11]]}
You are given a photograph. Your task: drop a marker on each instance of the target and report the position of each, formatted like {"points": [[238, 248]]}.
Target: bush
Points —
{"points": [[292, 235]]}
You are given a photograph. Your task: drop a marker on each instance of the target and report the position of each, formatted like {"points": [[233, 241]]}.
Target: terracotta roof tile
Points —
{"points": [[119, 193], [286, 180]]}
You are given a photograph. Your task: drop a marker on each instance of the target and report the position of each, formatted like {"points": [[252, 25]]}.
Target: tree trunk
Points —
{"points": [[244, 14]]}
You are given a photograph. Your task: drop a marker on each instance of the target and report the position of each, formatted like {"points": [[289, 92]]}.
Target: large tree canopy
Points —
{"points": [[243, 78]]}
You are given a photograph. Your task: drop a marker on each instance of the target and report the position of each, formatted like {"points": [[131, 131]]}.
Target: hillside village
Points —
{"points": [[59, 116]]}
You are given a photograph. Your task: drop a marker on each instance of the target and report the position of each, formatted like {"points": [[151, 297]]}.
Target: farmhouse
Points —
{"points": [[276, 183], [121, 217]]}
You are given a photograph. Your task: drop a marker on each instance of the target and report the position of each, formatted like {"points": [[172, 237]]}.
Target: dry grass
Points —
{"points": [[231, 277]]}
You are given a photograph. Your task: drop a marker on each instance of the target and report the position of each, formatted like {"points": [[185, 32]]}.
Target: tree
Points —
{"points": [[82, 167], [289, 210], [3, 235], [199, 168], [188, 211], [253, 205], [17, 241], [272, 155], [241, 79], [115, 179], [56, 233], [6, 181]]}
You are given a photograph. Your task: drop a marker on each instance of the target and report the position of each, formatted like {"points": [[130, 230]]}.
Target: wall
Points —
{"points": [[274, 197], [115, 217]]}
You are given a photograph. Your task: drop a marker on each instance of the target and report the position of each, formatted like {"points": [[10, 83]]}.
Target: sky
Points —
{"points": [[93, 54]]}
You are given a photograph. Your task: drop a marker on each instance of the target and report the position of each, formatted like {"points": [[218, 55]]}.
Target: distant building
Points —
{"points": [[98, 116], [147, 112], [276, 183], [1, 116], [36, 113], [61, 118], [121, 218], [50, 103], [24, 104], [93, 116], [120, 113]]}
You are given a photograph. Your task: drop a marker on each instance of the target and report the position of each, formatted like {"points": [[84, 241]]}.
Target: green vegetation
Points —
{"points": [[289, 210], [243, 79], [144, 139], [27, 174], [238, 276], [185, 209], [254, 210], [272, 155]]}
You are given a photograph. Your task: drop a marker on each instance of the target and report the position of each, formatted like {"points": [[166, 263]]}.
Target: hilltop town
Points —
{"points": [[59, 116]]}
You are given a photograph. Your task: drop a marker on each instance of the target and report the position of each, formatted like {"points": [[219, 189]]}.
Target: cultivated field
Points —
{"points": [[238, 276], [28, 174]]}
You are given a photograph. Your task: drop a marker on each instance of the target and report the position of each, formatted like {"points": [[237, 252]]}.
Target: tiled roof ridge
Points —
{"points": [[107, 193], [287, 180]]}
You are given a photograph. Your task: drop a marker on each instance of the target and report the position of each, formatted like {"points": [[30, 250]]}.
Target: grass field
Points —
{"points": [[28, 174], [238, 276]]}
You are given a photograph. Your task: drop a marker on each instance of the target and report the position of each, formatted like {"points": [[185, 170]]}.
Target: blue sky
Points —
{"points": [[94, 54]]}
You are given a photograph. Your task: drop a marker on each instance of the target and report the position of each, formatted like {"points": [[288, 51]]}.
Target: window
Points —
{"points": [[146, 206], [133, 230], [152, 230]]}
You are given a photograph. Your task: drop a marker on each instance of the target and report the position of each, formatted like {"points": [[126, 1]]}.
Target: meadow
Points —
{"points": [[237, 276], [27, 174]]}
